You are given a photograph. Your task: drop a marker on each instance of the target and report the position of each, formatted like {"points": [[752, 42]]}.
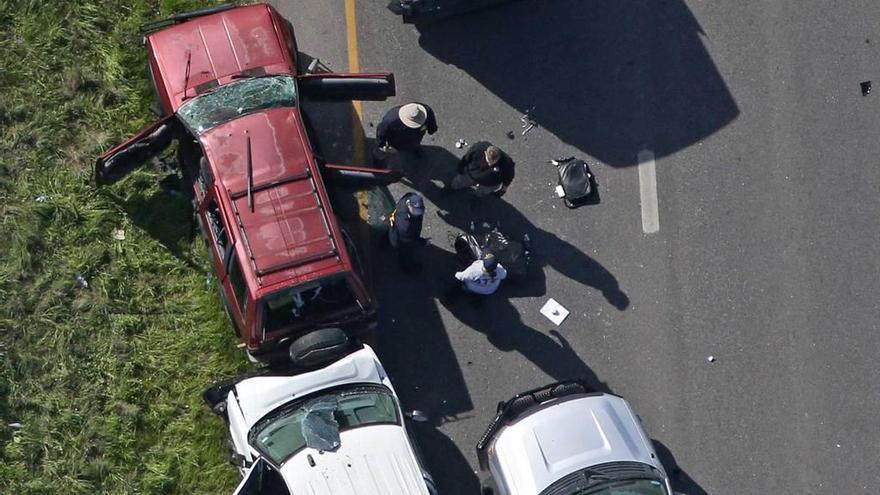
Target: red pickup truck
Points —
{"points": [[227, 82]]}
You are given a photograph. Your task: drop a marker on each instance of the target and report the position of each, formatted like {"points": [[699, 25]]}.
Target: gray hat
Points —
{"points": [[413, 115]]}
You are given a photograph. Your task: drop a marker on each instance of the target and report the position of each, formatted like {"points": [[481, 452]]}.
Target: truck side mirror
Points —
{"points": [[417, 416]]}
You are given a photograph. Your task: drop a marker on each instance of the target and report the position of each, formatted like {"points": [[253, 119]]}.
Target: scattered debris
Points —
{"points": [[509, 134], [711, 359], [15, 426], [119, 234], [42, 198], [81, 282], [554, 311], [527, 122], [866, 88], [460, 143], [560, 192]]}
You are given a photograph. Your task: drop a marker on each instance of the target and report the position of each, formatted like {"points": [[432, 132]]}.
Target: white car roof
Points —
{"points": [[561, 438], [374, 459], [259, 395]]}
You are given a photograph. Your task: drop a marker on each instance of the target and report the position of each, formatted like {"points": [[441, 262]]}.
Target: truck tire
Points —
{"points": [[319, 347], [215, 395]]}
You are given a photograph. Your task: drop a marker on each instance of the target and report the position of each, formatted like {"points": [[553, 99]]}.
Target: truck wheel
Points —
{"points": [[215, 396], [319, 347]]}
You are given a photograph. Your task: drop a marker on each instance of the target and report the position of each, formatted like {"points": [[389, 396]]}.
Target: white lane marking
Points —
{"points": [[648, 192]]}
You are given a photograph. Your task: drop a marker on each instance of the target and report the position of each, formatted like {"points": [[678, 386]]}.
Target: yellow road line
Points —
{"points": [[357, 137]]}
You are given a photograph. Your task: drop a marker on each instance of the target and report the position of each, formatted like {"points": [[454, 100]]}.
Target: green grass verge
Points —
{"points": [[105, 380]]}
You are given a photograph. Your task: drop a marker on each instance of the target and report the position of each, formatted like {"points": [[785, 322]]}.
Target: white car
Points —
{"points": [[564, 439], [338, 429]]}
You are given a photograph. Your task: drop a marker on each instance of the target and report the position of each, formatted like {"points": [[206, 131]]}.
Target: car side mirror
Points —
{"points": [[417, 416], [239, 460]]}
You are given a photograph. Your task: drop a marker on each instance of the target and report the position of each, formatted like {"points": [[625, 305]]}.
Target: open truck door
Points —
{"points": [[332, 86], [122, 159], [361, 176]]}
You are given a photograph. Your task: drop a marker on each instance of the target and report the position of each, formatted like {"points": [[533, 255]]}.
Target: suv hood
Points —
{"points": [[257, 396], [371, 460], [573, 434]]}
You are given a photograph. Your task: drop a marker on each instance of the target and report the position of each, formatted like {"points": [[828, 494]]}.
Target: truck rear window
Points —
{"points": [[312, 302]]}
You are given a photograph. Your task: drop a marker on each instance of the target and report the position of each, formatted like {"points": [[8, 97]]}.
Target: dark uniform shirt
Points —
{"points": [[407, 226], [474, 164], [394, 132]]}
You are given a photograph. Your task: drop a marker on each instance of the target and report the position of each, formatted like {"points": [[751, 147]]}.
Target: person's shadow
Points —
{"points": [[458, 209], [681, 482], [609, 77]]}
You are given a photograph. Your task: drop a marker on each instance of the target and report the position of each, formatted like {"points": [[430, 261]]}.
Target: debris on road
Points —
{"points": [[554, 311], [460, 143], [509, 134], [866, 88], [527, 122], [711, 359]]}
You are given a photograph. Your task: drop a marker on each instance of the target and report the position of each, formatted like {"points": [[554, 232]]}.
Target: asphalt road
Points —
{"points": [[766, 255]]}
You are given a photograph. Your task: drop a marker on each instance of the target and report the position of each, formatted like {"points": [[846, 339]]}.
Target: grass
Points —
{"points": [[105, 380]]}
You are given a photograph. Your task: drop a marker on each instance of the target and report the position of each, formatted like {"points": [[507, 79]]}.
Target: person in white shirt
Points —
{"points": [[483, 276]]}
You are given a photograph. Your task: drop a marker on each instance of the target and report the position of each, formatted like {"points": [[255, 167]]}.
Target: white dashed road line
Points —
{"points": [[648, 192]]}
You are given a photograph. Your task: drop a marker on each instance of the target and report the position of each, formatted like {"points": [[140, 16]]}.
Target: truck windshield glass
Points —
{"points": [[290, 306], [236, 99], [623, 487], [317, 421]]}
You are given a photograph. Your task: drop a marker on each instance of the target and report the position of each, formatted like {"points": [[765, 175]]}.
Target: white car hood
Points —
{"points": [[259, 395], [371, 460], [561, 438]]}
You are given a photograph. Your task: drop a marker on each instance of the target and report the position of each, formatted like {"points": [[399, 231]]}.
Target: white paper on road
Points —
{"points": [[554, 311]]}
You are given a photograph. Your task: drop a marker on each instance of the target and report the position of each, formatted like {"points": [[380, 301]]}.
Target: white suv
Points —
{"points": [[564, 439], [337, 429]]}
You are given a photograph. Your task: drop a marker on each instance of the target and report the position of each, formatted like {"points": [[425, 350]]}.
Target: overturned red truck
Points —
{"points": [[229, 92]]}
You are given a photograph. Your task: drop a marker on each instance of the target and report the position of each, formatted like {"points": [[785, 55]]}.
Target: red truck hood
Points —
{"points": [[218, 46]]}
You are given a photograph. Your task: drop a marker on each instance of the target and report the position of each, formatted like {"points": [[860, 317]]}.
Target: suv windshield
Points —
{"points": [[317, 420], [290, 306], [625, 487], [236, 99]]}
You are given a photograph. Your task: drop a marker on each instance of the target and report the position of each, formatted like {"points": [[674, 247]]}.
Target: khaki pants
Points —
{"points": [[464, 181]]}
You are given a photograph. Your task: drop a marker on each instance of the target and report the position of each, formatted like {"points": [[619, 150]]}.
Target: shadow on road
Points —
{"points": [[547, 248], [681, 482], [609, 77]]}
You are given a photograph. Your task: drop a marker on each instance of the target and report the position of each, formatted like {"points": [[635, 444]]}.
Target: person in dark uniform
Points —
{"points": [[404, 126], [485, 169], [405, 232]]}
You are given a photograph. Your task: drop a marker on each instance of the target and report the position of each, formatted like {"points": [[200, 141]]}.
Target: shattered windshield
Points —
{"points": [[316, 422], [236, 99]]}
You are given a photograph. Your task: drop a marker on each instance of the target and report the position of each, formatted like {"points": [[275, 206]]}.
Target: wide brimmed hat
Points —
{"points": [[413, 115]]}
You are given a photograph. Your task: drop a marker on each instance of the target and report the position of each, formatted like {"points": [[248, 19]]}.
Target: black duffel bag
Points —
{"points": [[578, 184]]}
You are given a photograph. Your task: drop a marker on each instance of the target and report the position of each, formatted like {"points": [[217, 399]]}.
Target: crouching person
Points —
{"points": [[483, 276], [405, 232]]}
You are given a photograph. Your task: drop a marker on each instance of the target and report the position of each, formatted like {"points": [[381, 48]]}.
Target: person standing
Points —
{"points": [[404, 126], [485, 169], [405, 232], [483, 276]]}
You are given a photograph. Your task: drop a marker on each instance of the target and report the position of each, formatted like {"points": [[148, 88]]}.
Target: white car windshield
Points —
{"points": [[317, 420], [233, 100], [626, 487]]}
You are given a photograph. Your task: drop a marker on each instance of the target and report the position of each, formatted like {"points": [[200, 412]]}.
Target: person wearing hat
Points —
{"points": [[405, 232], [483, 276], [404, 126], [485, 169]]}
